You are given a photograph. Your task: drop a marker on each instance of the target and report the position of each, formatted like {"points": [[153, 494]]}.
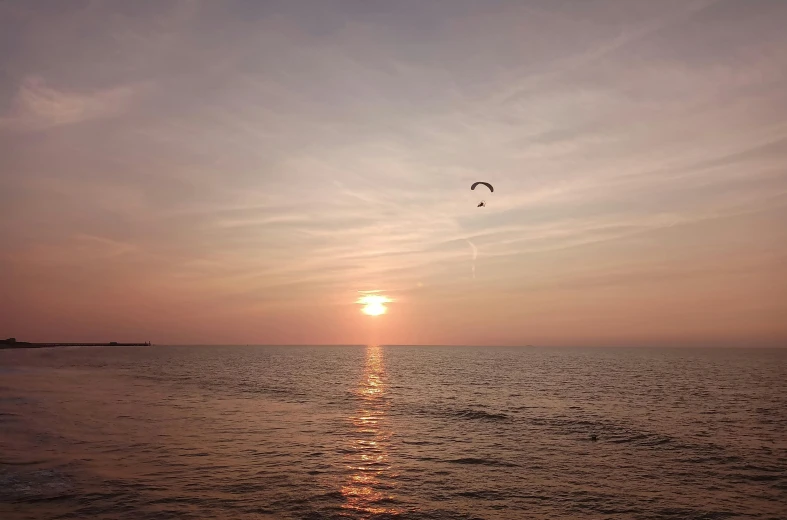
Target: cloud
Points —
{"points": [[38, 106], [631, 33], [80, 248]]}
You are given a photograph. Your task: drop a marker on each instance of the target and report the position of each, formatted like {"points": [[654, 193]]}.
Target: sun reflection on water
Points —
{"points": [[370, 484]]}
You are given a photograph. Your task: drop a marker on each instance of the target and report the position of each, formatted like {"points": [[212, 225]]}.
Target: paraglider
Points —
{"points": [[482, 204], [484, 183]]}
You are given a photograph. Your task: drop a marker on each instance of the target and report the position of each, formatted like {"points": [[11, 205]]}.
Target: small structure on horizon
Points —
{"points": [[13, 343]]}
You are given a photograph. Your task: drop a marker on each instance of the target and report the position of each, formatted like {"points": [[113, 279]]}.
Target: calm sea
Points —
{"points": [[392, 432]]}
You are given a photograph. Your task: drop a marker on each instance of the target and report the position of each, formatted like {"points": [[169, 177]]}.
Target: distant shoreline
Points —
{"points": [[12, 343]]}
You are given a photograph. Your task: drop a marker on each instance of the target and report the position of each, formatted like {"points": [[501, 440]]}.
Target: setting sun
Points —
{"points": [[374, 304]]}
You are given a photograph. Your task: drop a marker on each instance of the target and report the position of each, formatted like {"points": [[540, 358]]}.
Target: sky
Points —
{"points": [[199, 172]]}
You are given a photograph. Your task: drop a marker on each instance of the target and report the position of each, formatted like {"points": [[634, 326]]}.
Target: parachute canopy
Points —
{"points": [[484, 183]]}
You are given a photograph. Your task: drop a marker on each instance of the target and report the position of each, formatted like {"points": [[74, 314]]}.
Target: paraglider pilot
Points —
{"points": [[491, 189]]}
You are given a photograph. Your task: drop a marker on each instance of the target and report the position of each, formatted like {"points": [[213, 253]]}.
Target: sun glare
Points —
{"points": [[373, 304]]}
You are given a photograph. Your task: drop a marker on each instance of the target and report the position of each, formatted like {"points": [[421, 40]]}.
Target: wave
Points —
{"points": [[642, 439], [481, 415], [460, 413], [484, 494], [480, 461]]}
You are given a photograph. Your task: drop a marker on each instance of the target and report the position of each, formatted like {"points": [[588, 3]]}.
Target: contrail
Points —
{"points": [[475, 254]]}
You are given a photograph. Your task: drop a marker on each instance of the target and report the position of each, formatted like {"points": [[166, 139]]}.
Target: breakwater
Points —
{"points": [[12, 343]]}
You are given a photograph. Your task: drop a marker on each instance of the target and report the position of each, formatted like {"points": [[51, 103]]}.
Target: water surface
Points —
{"points": [[392, 432]]}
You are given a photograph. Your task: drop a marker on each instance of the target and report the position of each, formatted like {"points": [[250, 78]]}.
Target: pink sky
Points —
{"points": [[236, 172]]}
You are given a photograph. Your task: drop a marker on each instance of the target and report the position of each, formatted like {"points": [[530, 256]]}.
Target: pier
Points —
{"points": [[13, 343]]}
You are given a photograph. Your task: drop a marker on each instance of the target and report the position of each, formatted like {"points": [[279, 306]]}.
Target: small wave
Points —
{"points": [[198, 454], [260, 511], [484, 494], [757, 477], [330, 495], [23, 463], [753, 467], [484, 462], [626, 440], [683, 513], [641, 439], [385, 500], [723, 460], [49, 498], [481, 415]]}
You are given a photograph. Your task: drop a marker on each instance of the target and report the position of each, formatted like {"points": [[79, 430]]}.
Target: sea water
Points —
{"points": [[393, 432]]}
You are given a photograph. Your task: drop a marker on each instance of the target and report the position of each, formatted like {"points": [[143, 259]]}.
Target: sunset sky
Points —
{"points": [[248, 171]]}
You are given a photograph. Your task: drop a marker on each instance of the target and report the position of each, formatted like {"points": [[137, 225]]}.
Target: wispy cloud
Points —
{"points": [[38, 106]]}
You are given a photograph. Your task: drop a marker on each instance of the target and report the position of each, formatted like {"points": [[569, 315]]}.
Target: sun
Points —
{"points": [[373, 304]]}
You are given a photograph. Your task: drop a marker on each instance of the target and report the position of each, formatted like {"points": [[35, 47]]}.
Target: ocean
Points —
{"points": [[383, 432]]}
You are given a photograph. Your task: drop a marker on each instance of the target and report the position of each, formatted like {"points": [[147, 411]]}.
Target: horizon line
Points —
{"points": [[454, 345]]}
